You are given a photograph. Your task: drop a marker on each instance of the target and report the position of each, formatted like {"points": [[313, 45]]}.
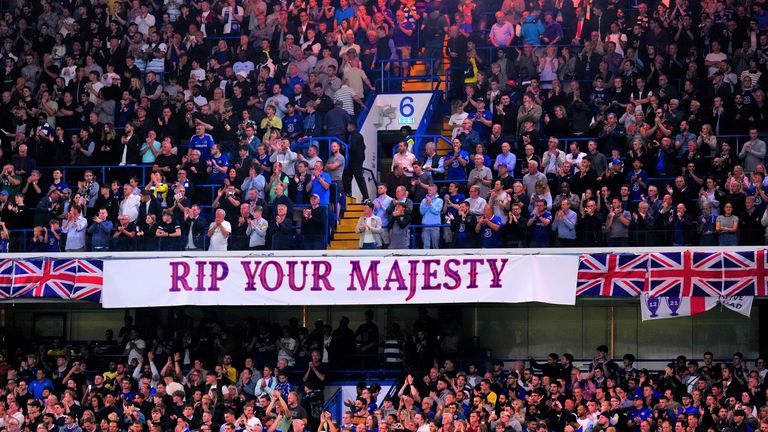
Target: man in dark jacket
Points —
{"points": [[313, 224], [280, 229], [128, 150], [355, 159], [194, 229]]}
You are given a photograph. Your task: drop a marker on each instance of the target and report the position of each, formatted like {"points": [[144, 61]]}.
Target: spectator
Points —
{"points": [[281, 229], [538, 225], [101, 229], [313, 225], [219, 232], [399, 212], [369, 226], [431, 211], [75, 228]]}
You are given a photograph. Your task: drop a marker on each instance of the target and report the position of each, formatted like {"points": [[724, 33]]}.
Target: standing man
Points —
{"points": [[431, 213], [356, 157], [75, 226]]}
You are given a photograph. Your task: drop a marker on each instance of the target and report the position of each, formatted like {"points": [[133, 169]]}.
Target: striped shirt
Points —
{"points": [[346, 95]]}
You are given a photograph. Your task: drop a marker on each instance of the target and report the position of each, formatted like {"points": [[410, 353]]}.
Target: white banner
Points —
{"points": [[653, 308], [738, 304], [343, 280]]}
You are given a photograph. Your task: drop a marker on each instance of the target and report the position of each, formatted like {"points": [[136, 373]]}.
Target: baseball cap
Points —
{"points": [[4, 193]]}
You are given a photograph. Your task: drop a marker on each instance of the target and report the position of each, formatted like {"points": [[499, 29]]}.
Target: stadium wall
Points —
{"points": [[513, 331]]}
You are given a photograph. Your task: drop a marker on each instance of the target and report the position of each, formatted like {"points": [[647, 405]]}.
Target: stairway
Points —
{"points": [[345, 236], [419, 69]]}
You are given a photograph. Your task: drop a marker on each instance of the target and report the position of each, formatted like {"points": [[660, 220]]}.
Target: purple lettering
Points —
{"points": [[278, 273], [369, 280], [200, 275], [292, 270], [219, 272], [452, 274], [414, 274], [250, 273], [321, 275], [179, 273], [496, 272], [395, 275], [429, 274], [473, 262]]}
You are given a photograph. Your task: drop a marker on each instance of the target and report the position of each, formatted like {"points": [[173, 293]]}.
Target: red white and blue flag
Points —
{"points": [[745, 273], [685, 274], [612, 275], [6, 278], [69, 279]]}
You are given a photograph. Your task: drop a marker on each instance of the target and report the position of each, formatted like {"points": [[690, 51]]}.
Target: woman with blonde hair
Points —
{"points": [[707, 139], [541, 193]]}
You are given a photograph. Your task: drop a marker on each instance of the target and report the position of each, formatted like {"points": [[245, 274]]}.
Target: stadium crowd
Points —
{"points": [[202, 376], [575, 123]]}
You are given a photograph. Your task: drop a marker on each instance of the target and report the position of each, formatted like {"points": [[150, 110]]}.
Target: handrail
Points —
{"points": [[333, 405], [364, 113], [434, 80], [429, 112]]}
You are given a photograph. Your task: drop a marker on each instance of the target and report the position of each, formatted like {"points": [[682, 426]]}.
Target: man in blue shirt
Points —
{"points": [[637, 414], [455, 163], [201, 141], [101, 231], [532, 28], [482, 120], [380, 205], [506, 157], [41, 383], [75, 226], [431, 209], [292, 123], [218, 165], [538, 224], [320, 184], [489, 227]]}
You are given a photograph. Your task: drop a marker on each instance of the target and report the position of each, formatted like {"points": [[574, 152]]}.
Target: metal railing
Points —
{"points": [[386, 78], [335, 405], [21, 238]]}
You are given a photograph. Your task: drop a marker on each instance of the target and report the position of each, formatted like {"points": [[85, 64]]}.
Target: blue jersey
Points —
{"points": [[317, 188], [455, 171], [223, 161], [488, 237], [292, 124], [203, 144], [456, 200]]}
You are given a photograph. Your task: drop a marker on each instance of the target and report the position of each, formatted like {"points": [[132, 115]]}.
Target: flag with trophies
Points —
{"points": [[653, 308]]}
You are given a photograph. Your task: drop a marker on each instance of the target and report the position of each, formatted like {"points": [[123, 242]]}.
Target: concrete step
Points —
{"points": [[344, 244], [346, 236]]}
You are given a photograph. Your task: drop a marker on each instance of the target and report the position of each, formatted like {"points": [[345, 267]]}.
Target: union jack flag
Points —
{"points": [[685, 274], [612, 275], [6, 278], [745, 273], [44, 278], [88, 281], [68, 279]]}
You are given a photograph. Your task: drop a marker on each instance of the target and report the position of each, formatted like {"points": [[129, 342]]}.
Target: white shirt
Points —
{"points": [[218, 241], [144, 23], [130, 206], [134, 353]]}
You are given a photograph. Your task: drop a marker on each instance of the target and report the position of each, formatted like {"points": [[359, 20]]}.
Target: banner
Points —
{"points": [[350, 280], [653, 308]]}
